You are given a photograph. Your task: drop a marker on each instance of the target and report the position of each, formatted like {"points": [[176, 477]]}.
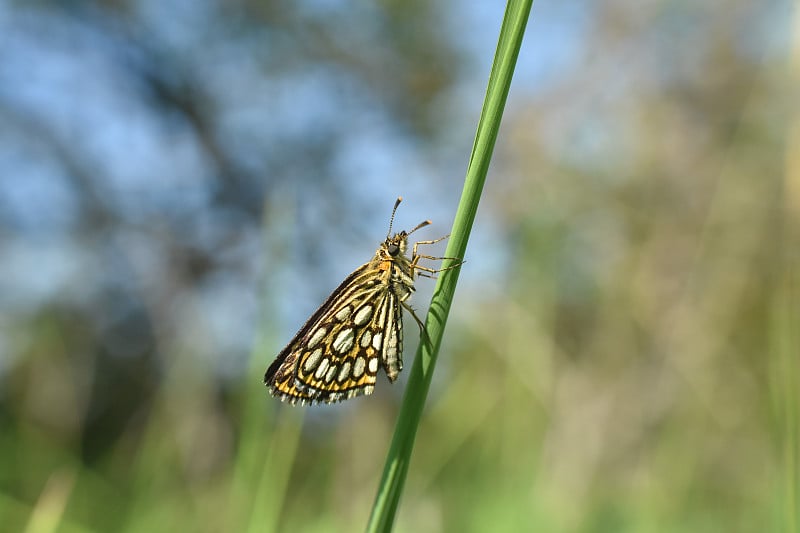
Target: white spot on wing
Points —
{"points": [[312, 360], [359, 366], [373, 365], [344, 372], [319, 333], [366, 338], [344, 340], [322, 368], [363, 315], [344, 312], [330, 374]]}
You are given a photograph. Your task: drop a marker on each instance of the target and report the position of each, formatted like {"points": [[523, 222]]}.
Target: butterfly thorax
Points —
{"points": [[391, 258]]}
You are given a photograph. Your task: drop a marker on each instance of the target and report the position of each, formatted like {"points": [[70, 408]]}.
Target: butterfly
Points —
{"points": [[337, 353]]}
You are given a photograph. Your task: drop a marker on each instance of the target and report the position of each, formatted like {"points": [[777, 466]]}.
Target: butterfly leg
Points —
{"points": [[421, 325], [434, 241], [416, 256]]}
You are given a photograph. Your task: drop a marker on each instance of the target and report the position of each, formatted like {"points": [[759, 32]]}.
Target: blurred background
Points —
{"points": [[183, 182]]}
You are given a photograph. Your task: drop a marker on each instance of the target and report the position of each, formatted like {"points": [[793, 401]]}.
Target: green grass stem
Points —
{"points": [[394, 474]]}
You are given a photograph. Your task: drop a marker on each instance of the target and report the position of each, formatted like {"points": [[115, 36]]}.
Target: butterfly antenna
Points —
{"points": [[391, 220], [420, 225]]}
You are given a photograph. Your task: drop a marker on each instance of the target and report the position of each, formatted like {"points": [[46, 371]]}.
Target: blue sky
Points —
{"points": [[66, 86]]}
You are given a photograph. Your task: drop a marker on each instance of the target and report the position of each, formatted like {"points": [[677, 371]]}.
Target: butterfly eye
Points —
{"points": [[393, 249]]}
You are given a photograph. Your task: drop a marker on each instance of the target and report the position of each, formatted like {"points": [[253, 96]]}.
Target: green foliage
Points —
{"points": [[622, 355]]}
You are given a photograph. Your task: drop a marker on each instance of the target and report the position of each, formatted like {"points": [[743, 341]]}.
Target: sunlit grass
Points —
{"points": [[397, 462]]}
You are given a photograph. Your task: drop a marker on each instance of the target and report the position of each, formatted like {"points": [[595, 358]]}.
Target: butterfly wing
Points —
{"points": [[336, 354], [390, 319]]}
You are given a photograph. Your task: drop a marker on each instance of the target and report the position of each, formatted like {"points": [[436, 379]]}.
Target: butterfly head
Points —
{"points": [[395, 245]]}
